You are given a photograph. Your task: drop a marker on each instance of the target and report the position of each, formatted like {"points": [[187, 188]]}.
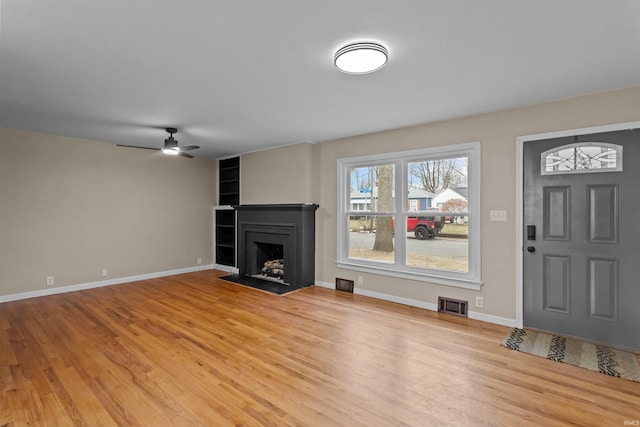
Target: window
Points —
{"points": [[412, 214], [582, 157]]}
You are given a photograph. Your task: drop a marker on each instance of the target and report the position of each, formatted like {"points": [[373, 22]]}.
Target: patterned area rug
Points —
{"points": [[598, 358]]}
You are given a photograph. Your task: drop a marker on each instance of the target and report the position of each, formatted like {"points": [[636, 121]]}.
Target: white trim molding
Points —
{"points": [[99, 284], [423, 304], [471, 279]]}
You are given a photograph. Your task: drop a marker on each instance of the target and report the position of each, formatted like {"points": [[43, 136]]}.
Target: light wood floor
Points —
{"points": [[195, 350]]}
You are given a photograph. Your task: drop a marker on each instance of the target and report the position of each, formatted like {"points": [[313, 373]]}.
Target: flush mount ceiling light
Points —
{"points": [[361, 58]]}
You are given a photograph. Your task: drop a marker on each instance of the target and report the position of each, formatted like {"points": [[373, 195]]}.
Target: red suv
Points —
{"points": [[424, 227]]}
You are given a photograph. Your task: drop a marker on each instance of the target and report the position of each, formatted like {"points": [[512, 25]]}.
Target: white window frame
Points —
{"points": [[469, 280]]}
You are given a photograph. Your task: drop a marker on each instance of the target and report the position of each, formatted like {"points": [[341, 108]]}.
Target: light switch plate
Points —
{"points": [[498, 215]]}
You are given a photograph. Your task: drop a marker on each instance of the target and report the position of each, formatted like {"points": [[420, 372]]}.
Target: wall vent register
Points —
{"points": [[453, 306]]}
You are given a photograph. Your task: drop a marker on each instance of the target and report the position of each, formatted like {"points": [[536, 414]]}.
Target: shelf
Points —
{"points": [[229, 201], [225, 218], [225, 255], [228, 175], [225, 245]]}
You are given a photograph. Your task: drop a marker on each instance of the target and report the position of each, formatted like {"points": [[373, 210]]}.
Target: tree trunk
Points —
{"points": [[384, 230]]}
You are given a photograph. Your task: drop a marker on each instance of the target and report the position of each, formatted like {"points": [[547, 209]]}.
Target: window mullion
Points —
{"points": [[400, 235]]}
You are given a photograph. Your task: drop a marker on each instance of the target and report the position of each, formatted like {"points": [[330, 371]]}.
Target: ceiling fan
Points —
{"points": [[170, 146]]}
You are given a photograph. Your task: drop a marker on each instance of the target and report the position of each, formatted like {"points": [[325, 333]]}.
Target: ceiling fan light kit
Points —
{"points": [[170, 144], [171, 147]]}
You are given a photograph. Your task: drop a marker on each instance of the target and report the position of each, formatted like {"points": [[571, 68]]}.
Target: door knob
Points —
{"points": [[531, 249]]}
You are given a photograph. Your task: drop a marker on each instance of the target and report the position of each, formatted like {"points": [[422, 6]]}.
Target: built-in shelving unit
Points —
{"points": [[229, 181], [225, 217], [226, 237]]}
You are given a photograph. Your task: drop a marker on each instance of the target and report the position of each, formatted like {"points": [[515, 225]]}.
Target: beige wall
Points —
{"points": [[497, 133], [282, 175], [70, 207]]}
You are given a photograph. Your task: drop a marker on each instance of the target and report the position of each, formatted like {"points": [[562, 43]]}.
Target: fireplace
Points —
{"points": [[282, 236], [266, 244]]}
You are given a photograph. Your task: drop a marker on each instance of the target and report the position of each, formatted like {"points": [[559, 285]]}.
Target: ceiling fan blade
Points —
{"points": [[189, 156], [189, 147], [136, 146]]}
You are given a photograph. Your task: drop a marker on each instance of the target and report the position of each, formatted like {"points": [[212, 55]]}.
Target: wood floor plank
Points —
{"points": [[195, 350]]}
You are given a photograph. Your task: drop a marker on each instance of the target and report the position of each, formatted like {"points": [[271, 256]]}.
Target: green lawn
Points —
{"points": [[457, 229]]}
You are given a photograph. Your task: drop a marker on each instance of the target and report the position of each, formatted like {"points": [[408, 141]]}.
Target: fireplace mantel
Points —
{"points": [[290, 225], [277, 207]]}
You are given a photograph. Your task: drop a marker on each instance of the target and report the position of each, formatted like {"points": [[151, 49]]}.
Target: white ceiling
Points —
{"points": [[241, 75]]}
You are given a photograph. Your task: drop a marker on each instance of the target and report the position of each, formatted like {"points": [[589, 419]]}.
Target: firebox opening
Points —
{"points": [[270, 262]]}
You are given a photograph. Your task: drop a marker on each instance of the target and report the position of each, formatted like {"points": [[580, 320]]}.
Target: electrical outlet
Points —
{"points": [[50, 281], [479, 302], [199, 260], [360, 280], [105, 272]]}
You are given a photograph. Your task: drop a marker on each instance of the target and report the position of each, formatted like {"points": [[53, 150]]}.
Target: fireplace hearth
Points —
{"points": [[276, 242]]}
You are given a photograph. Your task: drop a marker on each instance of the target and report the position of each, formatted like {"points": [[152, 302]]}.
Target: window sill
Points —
{"points": [[405, 274]]}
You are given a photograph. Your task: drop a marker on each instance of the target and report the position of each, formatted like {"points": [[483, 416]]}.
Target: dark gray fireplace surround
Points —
{"points": [[285, 231]]}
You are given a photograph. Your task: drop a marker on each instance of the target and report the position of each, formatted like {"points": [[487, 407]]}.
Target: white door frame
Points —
{"points": [[519, 184]]}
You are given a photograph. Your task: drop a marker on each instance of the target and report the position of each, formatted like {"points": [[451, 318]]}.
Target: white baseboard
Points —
{"points": [[422, 304], [493, 319], [386, 297], [99, 284], [324, 284]]}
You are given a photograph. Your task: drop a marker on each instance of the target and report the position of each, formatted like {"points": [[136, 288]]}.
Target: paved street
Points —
{"points": [[440, 246]]}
